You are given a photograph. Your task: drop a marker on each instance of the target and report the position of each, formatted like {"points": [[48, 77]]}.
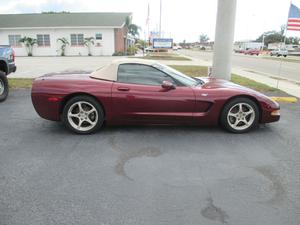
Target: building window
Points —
{"points": [[98, 36], [76, 39], [14, 40], [43, 39]]}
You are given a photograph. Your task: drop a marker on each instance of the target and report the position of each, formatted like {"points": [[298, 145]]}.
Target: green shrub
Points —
{"points": [[132, 50], [118, 54]]}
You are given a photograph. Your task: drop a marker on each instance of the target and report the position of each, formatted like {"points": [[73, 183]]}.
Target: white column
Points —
{"points": [[223, 46]]}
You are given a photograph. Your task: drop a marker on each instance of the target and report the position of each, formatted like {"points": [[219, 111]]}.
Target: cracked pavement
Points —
{"points": [[146, 175]]}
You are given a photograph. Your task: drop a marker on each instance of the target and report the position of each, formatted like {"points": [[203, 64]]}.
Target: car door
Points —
{"points": [[138, 97]]}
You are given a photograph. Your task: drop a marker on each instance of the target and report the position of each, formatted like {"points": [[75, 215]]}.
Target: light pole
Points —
{"points": [[224, 35], [160, 8]]}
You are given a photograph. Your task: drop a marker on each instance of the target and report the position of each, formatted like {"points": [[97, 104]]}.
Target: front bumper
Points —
{"points": [[270, 115]]}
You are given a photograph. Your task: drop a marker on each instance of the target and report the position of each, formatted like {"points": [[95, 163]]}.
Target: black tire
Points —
{"points": [[284, 56], [224, 114], [4, 89], [90, 102]]}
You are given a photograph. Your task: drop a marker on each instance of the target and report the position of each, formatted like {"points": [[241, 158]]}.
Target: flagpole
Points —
{"points": [[284, 41], [286, 25], [160, 9]]}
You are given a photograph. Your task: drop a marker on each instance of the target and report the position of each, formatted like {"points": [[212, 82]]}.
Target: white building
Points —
{"points": [[245, 45], [107, 29]]}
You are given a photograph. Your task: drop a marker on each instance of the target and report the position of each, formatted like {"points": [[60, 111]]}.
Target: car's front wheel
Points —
{"points": [[83, 115], [3, 86], [240, 115]]}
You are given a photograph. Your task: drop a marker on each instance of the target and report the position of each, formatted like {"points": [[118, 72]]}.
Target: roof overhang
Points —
{"points": [[59, 27]]}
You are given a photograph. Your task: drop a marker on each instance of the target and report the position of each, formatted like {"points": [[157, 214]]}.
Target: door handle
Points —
{"points": [[123, 89]]}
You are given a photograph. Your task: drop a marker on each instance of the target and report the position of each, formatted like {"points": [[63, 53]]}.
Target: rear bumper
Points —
{"points": [[12, 68]]}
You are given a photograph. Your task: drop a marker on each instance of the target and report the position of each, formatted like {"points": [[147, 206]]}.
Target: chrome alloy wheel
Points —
{"points": [[241, 116], [2, 88], [82, 116]]}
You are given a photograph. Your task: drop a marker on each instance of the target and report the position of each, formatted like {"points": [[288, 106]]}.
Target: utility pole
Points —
{"points": [[160, 8], [224, 36]]}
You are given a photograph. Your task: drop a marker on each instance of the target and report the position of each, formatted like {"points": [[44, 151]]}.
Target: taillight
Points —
{"points": [[13, 55]]}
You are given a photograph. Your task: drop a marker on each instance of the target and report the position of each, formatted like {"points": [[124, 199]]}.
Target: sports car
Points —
{"points": [[135, 91]]}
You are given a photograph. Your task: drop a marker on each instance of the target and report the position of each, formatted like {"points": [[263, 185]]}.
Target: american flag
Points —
{"points": [[294, 18]]}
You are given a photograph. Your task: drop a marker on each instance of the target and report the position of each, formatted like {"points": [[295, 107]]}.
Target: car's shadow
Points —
{"points": [[59, 128]]}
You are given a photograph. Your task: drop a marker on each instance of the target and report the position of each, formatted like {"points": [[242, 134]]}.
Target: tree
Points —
{"points": [[270, 37], [29, 43], [130, 28], [282, 29], [292, 40], [277, 36], [141, 43], [203, 38], [64, 43], [88, 42]]}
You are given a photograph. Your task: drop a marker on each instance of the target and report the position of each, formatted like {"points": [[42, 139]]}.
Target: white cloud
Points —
{"points": [[181, 19]]}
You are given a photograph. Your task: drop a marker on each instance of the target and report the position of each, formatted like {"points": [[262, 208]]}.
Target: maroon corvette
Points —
{"points": [[132, 91]]}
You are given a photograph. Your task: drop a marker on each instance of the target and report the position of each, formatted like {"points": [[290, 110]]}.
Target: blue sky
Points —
{"points": [[180, 19]]}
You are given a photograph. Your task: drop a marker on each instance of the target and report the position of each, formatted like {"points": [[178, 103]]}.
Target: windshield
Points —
{"points": [[182, 78]]}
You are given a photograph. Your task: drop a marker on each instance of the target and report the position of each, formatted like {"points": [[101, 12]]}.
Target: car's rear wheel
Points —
{"points": [[3, 86], [83, 115], [240, 115]]}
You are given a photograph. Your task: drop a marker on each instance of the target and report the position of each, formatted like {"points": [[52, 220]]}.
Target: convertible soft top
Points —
{"points": [[109, 72]]}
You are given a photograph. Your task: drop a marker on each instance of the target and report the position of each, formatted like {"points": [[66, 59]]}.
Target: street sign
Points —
{"points": [[166, 43]]}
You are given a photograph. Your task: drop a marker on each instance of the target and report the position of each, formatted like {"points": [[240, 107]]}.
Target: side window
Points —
{"points": [[98, 36], [43, 39], [77, 39], [14, 40], [141, 74]]}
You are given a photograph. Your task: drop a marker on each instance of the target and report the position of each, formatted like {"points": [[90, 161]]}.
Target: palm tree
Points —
{"points": [[131, 28], [64, 43], [88, 42], [29, 43]]}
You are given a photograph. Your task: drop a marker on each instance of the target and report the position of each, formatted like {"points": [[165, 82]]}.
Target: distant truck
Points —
{"points": [[279, 52], [7, 66]]}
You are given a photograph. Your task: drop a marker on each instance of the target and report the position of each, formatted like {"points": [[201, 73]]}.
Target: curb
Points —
{"points": [[285, 99]]}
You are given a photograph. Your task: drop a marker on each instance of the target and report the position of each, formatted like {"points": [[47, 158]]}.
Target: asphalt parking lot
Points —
{"points": [[146, 175]]}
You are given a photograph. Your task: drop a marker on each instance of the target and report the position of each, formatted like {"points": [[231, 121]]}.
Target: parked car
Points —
{"points": [[279, 52], [7, 66], [239, 51], [149, 49], [252, 52], [133, 91]]}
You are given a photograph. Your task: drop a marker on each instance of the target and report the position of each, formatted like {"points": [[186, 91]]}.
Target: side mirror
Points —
{"points": [[168, 85]]}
